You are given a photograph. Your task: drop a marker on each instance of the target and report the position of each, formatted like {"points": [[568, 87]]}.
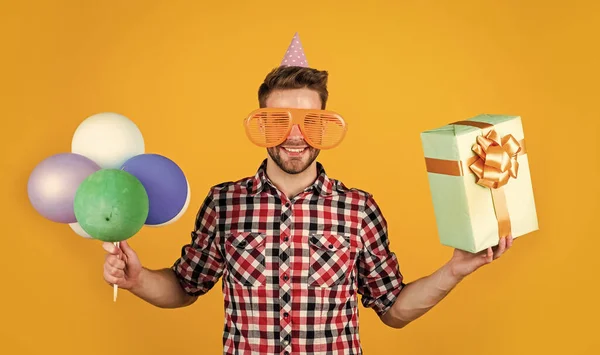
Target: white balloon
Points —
{"points": [[77, 229], [183, 209], [109, 139]]}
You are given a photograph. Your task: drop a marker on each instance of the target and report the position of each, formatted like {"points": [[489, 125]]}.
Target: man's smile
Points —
{"points": [[294, 151]]}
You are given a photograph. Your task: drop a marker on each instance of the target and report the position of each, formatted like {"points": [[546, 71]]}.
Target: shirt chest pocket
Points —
{"points": [[330, 260], [245, 254]]}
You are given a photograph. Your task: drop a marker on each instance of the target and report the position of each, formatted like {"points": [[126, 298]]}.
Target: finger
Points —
{"points": [[113, 261], [114, 272], [501, 248], [118, 256], [127, 249], [110, 248], [509, 241], [488, 255], [113, 280]]}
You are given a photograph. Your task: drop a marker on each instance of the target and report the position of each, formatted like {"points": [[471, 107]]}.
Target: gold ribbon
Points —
{"points": [[497, 161], [493, 165]]}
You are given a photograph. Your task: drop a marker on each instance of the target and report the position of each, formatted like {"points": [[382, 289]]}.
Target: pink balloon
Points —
{"points": [[53, 183]]}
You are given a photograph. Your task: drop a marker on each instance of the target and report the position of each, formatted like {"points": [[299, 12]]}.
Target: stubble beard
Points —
{"points": [[293, 165]]}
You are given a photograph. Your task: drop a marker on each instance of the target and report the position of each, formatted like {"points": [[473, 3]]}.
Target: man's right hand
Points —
{"points": [[122, 265], [158, 287]]}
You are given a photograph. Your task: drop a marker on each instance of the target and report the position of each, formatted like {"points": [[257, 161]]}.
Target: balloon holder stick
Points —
{"points": [[115, 287]]}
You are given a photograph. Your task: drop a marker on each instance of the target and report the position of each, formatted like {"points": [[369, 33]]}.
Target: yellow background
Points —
{"points": [[187, 72]]}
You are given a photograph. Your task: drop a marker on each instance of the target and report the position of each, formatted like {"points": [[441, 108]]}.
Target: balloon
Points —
{"points": [[109, 139], [165, 183], [111, 205], [183, 210], [53, 182], [76, 227]]}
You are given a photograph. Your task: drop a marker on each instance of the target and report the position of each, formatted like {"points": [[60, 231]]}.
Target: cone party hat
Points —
{"points": [[294, 56]]}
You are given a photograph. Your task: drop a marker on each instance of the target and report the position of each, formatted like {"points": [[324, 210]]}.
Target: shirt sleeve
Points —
{"points": [[379, 277], [201, 263]]}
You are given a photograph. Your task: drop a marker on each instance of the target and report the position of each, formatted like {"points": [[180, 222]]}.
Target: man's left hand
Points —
{"points": [[464, 263]]}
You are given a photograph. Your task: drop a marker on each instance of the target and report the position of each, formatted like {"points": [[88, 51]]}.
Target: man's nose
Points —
{"points": [[295, 132]]}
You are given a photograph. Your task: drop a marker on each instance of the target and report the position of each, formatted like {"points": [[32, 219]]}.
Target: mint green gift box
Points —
{"points": [[465, 211]]}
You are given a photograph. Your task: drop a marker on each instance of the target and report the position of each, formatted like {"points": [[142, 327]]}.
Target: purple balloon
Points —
{"points": [[53, 183], [164, 182]]}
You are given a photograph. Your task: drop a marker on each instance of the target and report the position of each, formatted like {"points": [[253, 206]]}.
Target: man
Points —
{"points": [[294, 247]]}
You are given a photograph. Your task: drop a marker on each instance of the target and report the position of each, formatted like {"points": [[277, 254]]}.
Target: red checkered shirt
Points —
{"points": [[291, 269]]}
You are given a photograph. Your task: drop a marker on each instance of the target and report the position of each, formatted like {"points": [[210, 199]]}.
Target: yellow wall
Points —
{"points": [[188, 72]]}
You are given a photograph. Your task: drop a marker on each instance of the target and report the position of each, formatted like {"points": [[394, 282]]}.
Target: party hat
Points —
{"points": [[295, 54]]}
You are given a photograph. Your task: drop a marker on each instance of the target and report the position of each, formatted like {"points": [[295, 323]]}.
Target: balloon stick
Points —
{"points": [[115, 287]]}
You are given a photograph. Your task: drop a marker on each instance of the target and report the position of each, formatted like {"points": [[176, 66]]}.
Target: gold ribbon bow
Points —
{"points": [[497, 161]]}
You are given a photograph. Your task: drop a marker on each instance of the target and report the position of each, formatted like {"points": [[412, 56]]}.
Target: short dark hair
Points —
{"points": [[294, 77]]}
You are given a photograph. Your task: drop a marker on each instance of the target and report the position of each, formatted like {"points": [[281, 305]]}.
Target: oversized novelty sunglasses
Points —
{"points": [[269, 127]]}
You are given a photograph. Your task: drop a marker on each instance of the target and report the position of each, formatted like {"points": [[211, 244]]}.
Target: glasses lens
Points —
{"points": [[324, 130], [268, 128]]}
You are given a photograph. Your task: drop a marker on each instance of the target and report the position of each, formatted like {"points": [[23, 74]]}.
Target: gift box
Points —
{"points": [[479, 181]]}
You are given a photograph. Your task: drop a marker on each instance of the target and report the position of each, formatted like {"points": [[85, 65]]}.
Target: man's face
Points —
{"points": [[294, 155]]}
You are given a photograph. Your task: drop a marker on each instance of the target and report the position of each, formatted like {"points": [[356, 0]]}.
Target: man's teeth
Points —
{"points": [[294, 150]]}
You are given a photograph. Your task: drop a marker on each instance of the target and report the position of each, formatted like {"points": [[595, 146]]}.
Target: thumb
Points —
{"points": [[485, 258], [130, 253], [476, 261]]}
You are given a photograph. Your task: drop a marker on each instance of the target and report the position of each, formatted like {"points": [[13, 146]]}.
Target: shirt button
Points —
{"points": [[285, 315], [287, 352], [285, 277], [285, 239], [285, 342]]}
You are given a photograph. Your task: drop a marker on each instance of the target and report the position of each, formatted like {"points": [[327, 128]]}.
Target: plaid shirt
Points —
{"points": [[292, 269]]}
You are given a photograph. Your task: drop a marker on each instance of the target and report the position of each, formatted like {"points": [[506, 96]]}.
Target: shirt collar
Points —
{"points": [[322, 184]]}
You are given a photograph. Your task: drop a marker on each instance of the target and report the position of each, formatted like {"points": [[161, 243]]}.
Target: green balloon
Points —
{"points": [[111, 205]]}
